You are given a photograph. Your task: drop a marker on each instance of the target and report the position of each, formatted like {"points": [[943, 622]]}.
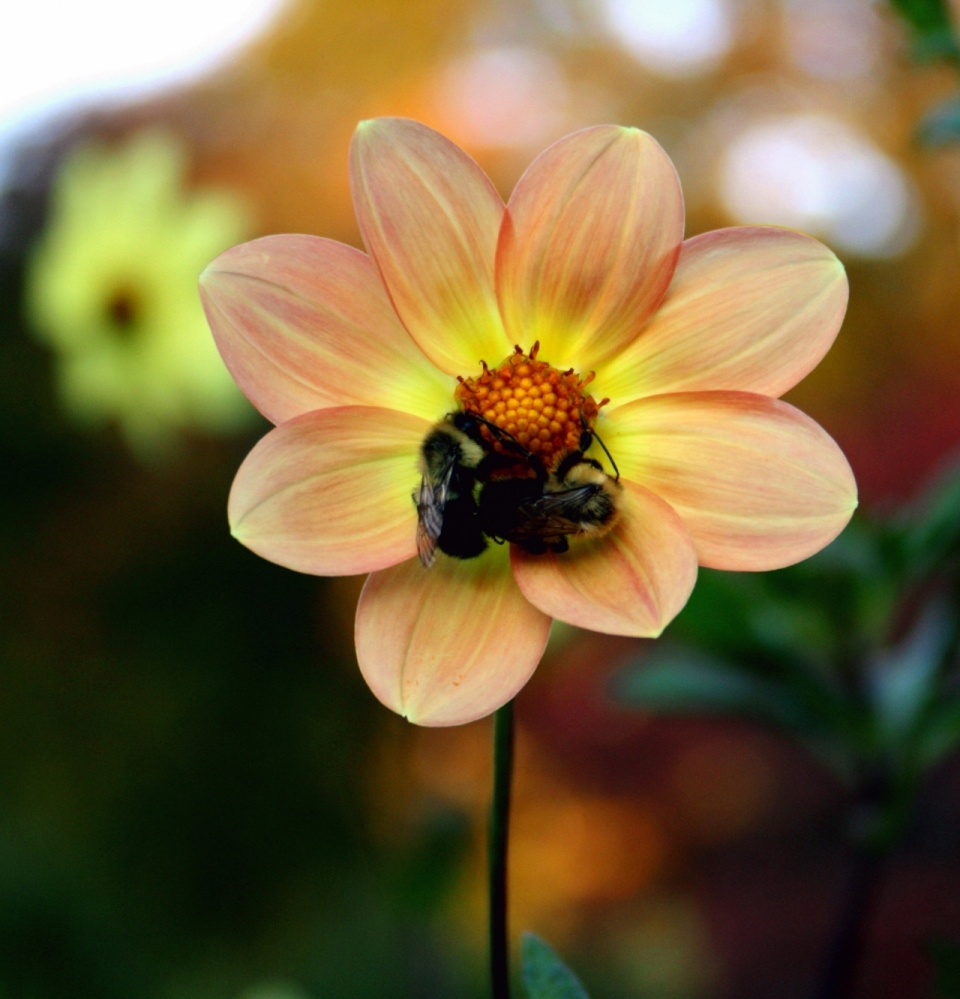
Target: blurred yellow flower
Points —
{"points": [[111, 287]]}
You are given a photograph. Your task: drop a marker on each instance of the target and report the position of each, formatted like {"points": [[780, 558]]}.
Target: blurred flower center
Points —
{"points": [[124, 310], [545, 409]]}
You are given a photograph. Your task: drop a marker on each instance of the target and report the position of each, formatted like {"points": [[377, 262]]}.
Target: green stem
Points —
{"points": [[838, 977], [499, 835]]}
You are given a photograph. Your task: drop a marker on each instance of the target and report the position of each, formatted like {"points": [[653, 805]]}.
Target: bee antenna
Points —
{"points": [[616, 470], [502, 435]]}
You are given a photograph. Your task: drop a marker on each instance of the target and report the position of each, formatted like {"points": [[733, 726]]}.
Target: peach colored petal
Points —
{"points": [[589, 244], [330, 492], [448, 644], [758, 484], [304, 323], [430, 219], [632, 581], [751, 309]]}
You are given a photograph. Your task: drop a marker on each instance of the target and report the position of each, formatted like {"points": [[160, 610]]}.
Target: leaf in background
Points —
{"points": [[805, 616], [545, 976], [674, 679], [931, 527], [941, 125], [933, 36], [428, 865], [901, 681], [743, 617], [945, 955], [939, 735]]}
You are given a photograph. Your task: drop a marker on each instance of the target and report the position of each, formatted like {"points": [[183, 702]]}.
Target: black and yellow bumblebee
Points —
{"points": [[460, 502], [577, 498], [454, 459]]}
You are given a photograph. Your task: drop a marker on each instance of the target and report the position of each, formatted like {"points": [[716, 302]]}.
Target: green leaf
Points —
{"points": [[545, 976], [939, 734], [677, 680], [933, 36], [941, 125], [901, 681], [945, 955], [805, 616], [931, 527]]}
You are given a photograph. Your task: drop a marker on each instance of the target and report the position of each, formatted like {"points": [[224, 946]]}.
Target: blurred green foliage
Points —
{"points": [[545, 976], [852, 652], [931, 27], [184, 747], [940, 126], [945, 956], [934, 37]]}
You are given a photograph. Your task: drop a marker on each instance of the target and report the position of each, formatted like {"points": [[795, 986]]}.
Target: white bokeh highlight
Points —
{"points": [[817, 174], [674, 38], [512, 96], [833, 39], [56, 55]]}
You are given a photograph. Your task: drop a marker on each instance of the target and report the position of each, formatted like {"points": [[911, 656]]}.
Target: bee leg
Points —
{"points": [[460, 536], [535, 546], [559, 545], [493, 462], [461, 541]]}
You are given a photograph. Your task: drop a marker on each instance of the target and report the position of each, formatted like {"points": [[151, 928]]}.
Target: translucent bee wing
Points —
{"points": [[564, 505], [430, 499], [547, 529], [553, 515]]}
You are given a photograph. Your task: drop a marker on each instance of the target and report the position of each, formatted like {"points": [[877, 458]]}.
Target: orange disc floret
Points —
{"points": [[545, 409]]}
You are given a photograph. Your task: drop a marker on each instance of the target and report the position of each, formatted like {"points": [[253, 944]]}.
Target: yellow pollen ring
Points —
{"points": [[544, 408]]}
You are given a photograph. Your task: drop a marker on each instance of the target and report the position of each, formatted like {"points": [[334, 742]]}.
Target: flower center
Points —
{"points": [[545, 409], [123, 310]]}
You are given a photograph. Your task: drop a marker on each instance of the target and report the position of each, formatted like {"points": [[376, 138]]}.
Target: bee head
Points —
{"points": [[584, 472]]}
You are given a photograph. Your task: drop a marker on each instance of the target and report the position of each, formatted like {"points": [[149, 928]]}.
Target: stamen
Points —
{"points": [[543, 409]]}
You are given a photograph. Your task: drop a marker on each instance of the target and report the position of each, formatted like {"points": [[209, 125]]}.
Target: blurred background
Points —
{"points": [[199, 798]]}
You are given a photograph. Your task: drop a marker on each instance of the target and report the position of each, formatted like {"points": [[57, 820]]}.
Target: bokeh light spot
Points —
{"points": [[678, 38], [832, 39], [502, 97], [59, 53], [817, 174]]}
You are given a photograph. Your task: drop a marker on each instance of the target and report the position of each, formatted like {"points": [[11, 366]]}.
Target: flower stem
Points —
{"points": [[839, 973], [499, 835]]}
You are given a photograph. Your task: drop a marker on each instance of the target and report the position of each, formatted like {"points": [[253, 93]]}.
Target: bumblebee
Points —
{"points": [[447, 516], [454, 458], [541, 513], [460, 502]]}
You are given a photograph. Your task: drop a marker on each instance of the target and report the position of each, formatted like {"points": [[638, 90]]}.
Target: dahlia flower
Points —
{"points": [[686, 345], [111, 287]]}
